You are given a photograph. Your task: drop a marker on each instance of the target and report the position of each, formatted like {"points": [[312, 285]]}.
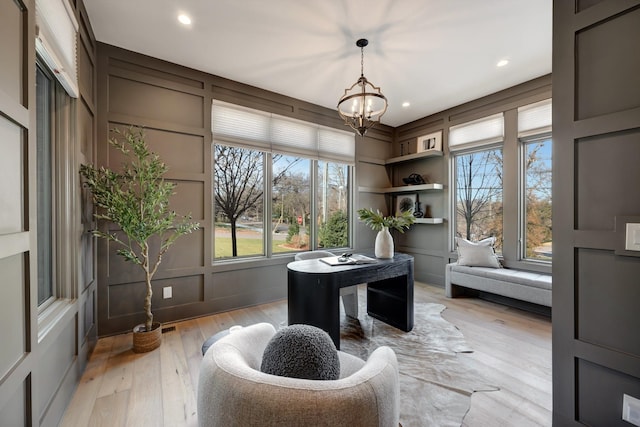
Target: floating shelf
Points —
{"points": [[402, 189], [429, 221], [414, 156]]}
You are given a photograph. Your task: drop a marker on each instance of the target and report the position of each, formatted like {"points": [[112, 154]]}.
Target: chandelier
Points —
{"points": [[362, 105]]}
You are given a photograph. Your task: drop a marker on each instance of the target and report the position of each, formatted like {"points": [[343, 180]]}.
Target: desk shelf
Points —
{"points": [[387, 301]]}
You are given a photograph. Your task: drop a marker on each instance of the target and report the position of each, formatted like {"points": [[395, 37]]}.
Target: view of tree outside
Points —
{"points": [[479, 195], [332, 205], [537, 187], [291, 202], [239, 201]]}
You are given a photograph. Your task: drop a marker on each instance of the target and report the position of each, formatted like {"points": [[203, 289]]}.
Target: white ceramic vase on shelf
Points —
{"points": [[384, 244]]}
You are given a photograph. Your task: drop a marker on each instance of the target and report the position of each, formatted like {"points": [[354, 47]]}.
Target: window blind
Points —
{"points": [[241, 126], [236, 125], [534, 118], [486, 130], [56, 41]]}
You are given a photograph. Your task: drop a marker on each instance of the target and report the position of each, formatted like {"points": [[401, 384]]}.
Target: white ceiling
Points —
{"points": [[434, 54]]}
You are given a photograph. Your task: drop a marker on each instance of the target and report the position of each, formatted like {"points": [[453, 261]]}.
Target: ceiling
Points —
{"points": [[434, 54]]}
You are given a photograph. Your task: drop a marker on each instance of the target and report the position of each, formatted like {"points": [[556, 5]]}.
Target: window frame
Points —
{"points": [[523, 142], [349, 205], [454, 187], [65, 188], [267, 238], [50, 112]]}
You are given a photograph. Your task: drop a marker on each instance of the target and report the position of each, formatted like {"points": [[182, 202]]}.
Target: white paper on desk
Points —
{"points": [[353, 259]]}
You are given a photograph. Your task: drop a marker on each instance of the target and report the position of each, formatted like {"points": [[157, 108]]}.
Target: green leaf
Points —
{"points": [[377, 221]]}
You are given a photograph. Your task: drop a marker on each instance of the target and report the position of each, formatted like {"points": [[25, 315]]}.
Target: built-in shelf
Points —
{"points": [[414, 156], [429, 220], [402, 189]]}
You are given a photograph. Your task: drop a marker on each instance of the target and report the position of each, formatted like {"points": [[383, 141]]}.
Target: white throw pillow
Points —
{"points": [[477, 254]]}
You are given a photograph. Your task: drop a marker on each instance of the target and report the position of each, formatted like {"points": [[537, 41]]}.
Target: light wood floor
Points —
{"points": [[121, 388]]}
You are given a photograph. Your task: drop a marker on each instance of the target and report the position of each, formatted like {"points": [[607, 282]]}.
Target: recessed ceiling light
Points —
{"points": [[184, 19], [502, 63], [406, 104]]}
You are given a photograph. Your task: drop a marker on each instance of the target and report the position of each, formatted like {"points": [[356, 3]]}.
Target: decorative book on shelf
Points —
{"points": [[348, 260]]}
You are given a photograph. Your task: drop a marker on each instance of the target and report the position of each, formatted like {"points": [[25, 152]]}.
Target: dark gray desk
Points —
{"points": [[314, 292]]}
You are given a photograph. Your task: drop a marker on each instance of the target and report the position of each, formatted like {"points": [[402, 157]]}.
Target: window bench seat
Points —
{"points": [[518, 284]]}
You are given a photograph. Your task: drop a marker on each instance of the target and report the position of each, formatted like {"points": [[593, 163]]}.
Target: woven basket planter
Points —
{"points": [[145, 341]]}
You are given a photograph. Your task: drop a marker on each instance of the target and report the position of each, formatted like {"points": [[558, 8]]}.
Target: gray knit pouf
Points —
{"points": [[301, 351]]}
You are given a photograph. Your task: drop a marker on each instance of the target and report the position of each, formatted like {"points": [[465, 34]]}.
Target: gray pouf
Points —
{"points": [[301, 351]]}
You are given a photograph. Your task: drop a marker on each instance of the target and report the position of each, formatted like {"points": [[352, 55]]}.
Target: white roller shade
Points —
{"points": [[56, 41], [232, 124], [237, 125], [486, 130], [336, 145], [294, 137], [534, 118]]}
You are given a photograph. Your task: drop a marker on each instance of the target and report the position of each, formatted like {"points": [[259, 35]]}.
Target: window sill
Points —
{"points": [[52, 315]]}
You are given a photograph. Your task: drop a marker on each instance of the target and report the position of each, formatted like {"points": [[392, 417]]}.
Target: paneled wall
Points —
{"points": [[42, 355], [431, 244], [173, 104], [596, 126]]}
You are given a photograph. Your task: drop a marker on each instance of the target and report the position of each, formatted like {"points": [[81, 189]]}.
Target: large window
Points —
{"points": [[333, 206], [291, 208], [280, 185], [45, 102], [537, 230], [479, 210], [501, 183], [239, 201]]}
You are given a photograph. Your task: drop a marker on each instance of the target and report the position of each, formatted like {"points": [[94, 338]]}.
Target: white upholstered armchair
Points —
{"points": [[232, 391]]}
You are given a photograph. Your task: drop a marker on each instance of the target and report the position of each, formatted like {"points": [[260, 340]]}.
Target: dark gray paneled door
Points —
{"points": [[596, 192]]}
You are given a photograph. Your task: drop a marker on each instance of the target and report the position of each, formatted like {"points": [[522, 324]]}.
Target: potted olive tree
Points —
{"points": [[136, 199], [384, 247]]}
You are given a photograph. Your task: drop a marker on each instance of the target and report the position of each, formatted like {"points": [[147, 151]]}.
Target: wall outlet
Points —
{"points": [[632, 237], [167, 292], [631, 410]]}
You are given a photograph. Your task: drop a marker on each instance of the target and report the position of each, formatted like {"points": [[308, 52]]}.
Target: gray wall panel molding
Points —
{"points": [[158, 81], [595, 122], [122, 58], [596, 239], [603, 11], [40, 384], [627, 364], [608, 123], [605, 77], [12, 111]]}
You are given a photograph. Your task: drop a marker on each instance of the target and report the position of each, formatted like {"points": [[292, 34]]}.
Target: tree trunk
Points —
{"points": [[234, 239], [147, 300], [147, 304]]}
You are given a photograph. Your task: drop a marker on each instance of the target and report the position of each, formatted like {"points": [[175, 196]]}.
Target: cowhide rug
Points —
{"points": [[436, 380]]}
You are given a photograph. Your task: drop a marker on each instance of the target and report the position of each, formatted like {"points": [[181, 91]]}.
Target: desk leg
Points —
{"points": [[391, 300], [314, 301]]}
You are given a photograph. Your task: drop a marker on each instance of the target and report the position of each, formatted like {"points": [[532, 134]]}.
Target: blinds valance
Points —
{"points": [[56, 41], [487, 130], [534, 118], [246, 127]]}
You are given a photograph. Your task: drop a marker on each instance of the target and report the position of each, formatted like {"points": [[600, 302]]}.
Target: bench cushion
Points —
{"points": [[521, 277], [517, 284]]}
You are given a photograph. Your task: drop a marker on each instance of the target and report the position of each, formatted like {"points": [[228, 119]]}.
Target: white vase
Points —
{"points": [[384, 244]]}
